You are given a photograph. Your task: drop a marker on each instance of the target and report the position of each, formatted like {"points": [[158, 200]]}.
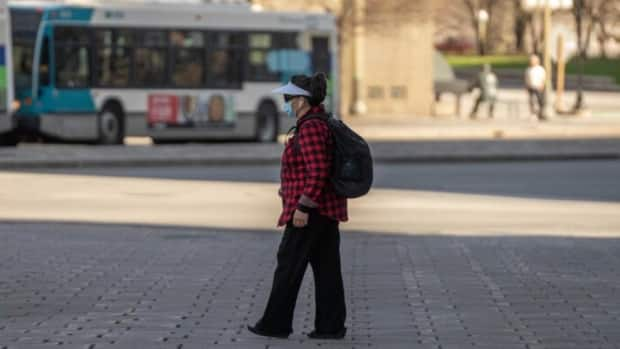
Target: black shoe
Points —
{"points": [[264, 333], [318, 335]]}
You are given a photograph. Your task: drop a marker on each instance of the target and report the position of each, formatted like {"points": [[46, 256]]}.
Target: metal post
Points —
{"points": [[579, 4], [359, 13], [548, 111], [483, 18], [559, 107]]}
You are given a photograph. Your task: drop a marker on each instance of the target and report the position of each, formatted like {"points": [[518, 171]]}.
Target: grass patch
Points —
{"points": [[498, 61], [597, 66], [593, 66]]}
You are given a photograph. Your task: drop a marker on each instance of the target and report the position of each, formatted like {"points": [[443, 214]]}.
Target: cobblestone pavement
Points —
{"points": [[111, 286]]}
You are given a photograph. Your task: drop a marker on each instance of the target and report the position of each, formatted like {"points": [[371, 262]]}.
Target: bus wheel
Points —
{"points": [[110, 127], [9, 139], [266, 124]]}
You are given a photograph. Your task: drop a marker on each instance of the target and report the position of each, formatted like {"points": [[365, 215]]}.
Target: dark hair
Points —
{"points": [[316, 85]]}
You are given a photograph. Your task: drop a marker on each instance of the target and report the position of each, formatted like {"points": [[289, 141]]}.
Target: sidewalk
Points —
{"points": [[71, 156], [512, 120], [451, 128], [115, 286]]}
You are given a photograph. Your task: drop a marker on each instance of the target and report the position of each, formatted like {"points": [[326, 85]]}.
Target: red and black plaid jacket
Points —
{"points": [[305, 173]]}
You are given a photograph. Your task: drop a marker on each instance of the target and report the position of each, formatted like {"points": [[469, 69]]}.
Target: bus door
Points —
{"points": [[64, 82]]}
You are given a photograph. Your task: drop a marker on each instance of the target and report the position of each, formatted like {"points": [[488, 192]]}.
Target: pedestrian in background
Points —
{"points": [[311, 213], [535, 79], [487, 84]]}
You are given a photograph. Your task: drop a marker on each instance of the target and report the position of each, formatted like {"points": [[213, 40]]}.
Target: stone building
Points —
{"points": [[386, 51]]}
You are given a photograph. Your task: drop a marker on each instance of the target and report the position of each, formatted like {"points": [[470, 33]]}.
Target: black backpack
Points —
{"points": [[352, 172]]}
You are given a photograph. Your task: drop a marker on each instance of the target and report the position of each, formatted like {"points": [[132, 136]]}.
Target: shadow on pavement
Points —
{"points": [[120, 286], [586, 180]]}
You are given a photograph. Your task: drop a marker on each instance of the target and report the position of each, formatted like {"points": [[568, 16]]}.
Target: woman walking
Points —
{"points": [[311, 213]]}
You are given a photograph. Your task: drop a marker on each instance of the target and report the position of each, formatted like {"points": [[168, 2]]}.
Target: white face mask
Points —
{"points": [[290, 109]]}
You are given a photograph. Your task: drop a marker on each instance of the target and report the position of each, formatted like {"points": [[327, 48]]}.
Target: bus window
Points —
{"points": [[321, 59], [188, 56], [260, 44], [113, 57], [150, 58], [22, 58], [24, 24], [257, 59], [225, 60], [72, 57]]}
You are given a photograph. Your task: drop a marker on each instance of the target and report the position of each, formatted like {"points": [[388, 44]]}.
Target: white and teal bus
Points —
{"points": [[172, 72], [7, 137]]}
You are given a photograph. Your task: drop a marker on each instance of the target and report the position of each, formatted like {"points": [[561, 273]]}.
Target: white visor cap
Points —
{"points": [[292, 90]]}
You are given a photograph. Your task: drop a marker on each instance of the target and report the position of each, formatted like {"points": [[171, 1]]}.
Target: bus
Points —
{"points": [[7, 136], [172, 72]]}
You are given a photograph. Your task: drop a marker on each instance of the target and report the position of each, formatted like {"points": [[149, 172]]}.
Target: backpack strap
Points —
{"points": [[309, 117], [323, 117]]}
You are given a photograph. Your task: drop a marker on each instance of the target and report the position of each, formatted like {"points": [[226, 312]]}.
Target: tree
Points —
{"points": [[606, 20], [525, 25], [588, 14], [522, 20], [380, 15], [473, 8]]}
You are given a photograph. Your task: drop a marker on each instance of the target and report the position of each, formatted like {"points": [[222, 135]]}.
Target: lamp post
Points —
{"points": [[548, 111], [581, 54], [547, 6], [359, 31], [483, 19]]}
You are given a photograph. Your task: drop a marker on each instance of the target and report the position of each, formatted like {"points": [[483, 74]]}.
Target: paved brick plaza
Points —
{"points": [[96, 286]]}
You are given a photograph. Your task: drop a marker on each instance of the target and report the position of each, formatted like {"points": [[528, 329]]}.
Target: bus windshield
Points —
{"points": [[24, 26]]}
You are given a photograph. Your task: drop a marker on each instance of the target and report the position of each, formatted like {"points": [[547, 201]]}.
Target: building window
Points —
{"points": [[150, 58], [72, 53], [225, 60], [113, 57], [188, 58], [399, 92], [375, 92]]}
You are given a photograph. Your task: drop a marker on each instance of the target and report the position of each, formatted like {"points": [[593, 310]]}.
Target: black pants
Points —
{"points": [[540, 99], [318, 243], [491, 101]]}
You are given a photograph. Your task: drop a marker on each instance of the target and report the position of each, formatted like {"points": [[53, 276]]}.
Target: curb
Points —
{"points": [[41, 157], [133, 163], [59, 164]]}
